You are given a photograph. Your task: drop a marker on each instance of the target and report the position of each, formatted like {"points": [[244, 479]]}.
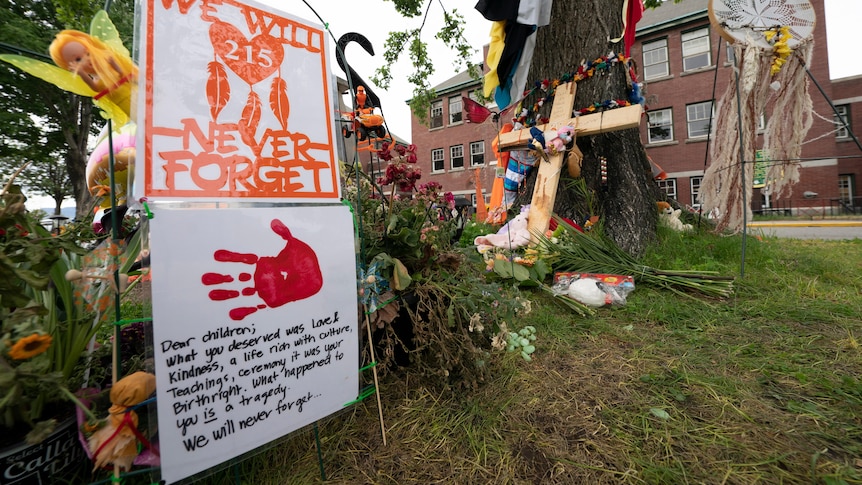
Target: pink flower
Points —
{"points": [[450, 200]]}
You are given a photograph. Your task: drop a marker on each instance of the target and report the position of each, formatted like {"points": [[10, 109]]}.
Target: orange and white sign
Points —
{"points": [[237, 103]]}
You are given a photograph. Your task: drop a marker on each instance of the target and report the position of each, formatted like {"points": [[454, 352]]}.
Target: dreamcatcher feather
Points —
{"points": [[772, 43]]}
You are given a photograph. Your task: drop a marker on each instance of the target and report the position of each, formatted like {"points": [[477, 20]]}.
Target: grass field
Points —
{"points": [[765, 387]]}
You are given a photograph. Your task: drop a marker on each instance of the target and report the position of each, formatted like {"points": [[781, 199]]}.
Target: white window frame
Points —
{"points": [[436, 120], [668, 186], [845, 188], [655, 59], [696, 114], [695, 47], [731, 54], [435, 158], [662, 123], [477, 150], [456, 157], [456, 110], [844, 111], [694, 184]]}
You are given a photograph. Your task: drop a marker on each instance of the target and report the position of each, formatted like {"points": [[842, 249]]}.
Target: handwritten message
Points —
{"points": [[227, 386], [243, 377]]}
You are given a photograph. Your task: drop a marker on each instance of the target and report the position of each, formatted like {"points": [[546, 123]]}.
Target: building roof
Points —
{"points": [[670, 14], [456, 83]]}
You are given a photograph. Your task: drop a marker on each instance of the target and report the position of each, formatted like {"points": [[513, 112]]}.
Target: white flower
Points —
{"points": [[476, 323]]}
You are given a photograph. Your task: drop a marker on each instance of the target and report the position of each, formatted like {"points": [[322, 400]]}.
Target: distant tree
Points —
{"points": [[39, 122]]}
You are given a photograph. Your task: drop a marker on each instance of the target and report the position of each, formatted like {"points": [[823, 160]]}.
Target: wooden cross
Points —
{"points": [[545, 191]]}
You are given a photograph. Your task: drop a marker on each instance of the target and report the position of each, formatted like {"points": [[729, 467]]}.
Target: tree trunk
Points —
{"points": [[580, 30], [80, 110]]}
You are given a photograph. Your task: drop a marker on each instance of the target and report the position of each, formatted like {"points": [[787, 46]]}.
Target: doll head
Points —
{"points": [[90, 58]]}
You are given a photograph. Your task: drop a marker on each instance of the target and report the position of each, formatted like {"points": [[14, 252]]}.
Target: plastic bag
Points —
{"points": [[594, 289]]}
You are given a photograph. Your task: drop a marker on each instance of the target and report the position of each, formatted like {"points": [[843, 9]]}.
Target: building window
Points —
{"points": [[437, 160], [668, 186], [660, 125], [844, 112], [731, 54], [477, 153], [476, 95], [697, 117], [455, 111], [655, 59], [694, 183], [436, 114], [456, 157], [845, 188], [695, 49]]}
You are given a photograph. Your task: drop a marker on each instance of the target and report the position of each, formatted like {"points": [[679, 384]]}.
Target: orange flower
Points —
{"points": [[30, 346]]}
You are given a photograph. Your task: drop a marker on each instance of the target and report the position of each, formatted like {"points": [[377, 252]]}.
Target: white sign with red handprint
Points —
{"points": [[254, 327], [237, 103]]}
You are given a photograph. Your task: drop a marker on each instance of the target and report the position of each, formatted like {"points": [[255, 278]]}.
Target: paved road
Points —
{"points": [[814, 229]]}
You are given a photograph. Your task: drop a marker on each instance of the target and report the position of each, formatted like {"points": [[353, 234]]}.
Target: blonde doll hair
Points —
{"points": [[102, 58]]}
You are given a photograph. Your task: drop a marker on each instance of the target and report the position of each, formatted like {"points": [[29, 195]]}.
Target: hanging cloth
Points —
{"points": [[520, 19], [633, 11]]}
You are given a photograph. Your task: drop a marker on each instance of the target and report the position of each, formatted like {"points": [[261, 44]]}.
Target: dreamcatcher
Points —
{"points": [[772, 43]]}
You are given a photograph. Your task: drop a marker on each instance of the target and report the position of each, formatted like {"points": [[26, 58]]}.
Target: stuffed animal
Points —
{"points": [[670, 217], [514, 234], [560, 139], [589, 291]]}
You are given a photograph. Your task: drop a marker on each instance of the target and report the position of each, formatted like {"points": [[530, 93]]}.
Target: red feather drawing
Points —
{"points": [[249, 120], [279, 102], [218, 88]]}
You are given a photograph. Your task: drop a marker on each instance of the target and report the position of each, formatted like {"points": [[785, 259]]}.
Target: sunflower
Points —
{"points": [[30, 346]]}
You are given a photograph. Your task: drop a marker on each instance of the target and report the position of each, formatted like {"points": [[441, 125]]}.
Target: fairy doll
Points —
{"points": [[95, 65], [103, 70]]}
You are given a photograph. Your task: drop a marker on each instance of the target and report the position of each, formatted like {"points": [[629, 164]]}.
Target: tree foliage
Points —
{"points": [[40, 123], [411, 42]]}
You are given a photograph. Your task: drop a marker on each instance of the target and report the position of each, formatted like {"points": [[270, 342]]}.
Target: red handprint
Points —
{"points": [[293, 274]]}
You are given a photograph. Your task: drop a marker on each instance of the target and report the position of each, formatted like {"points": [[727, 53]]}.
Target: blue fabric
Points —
{"points": [[520, 164]]}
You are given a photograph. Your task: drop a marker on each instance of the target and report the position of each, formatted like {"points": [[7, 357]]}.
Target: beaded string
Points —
{"points": [[528, 116]]}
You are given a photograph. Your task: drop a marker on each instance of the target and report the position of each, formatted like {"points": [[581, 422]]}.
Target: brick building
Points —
{"points": [[678, 53], [676, 49], [452, 150]]}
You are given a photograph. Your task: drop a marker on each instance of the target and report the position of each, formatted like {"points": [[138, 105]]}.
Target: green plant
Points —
{"points": [[45, 331], [421, 292]]}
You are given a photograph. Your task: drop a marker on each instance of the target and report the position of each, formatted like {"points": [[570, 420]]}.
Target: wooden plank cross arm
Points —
{"points": [[545, 191]]}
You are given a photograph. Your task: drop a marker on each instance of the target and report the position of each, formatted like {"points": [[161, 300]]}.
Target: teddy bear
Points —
{"points": [[514, 234], [559, 139], [670, 217]]}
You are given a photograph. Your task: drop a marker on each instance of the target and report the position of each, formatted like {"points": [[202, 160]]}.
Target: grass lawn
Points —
{"points": [[765, 387]]}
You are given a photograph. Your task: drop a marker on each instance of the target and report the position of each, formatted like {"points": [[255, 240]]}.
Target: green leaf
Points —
{"points": [[400, 276], [541, 269], [503, 268], [659, 413], [521, 273]]}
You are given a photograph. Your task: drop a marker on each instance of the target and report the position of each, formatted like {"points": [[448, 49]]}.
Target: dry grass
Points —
{"points": [[763, 388]]}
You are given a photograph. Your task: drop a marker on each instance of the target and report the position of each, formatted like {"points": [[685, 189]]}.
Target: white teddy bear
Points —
{"points": [[670, 217]]}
